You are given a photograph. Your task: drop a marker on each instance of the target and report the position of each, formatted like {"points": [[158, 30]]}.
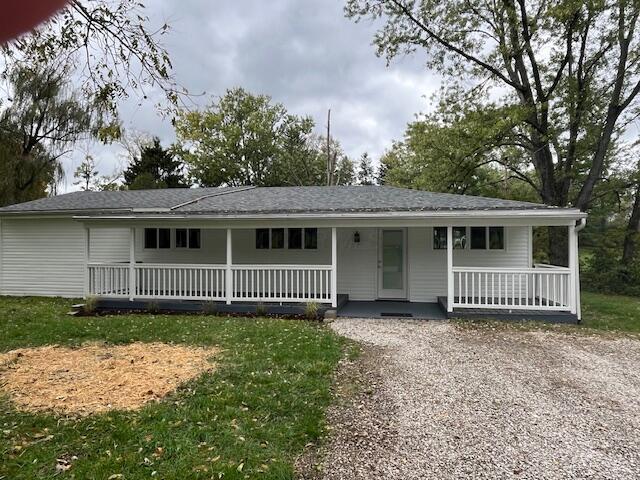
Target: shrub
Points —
{"points": [[90, 305], [311, 310], [210, 307], [153, 307], [261, 309], [603, 272]]}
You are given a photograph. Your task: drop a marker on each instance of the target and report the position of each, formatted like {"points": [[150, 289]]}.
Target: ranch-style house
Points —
{"points": [[398, 249]]}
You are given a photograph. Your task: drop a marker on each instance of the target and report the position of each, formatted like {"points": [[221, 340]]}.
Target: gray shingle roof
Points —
{"points": [[248, 200]]}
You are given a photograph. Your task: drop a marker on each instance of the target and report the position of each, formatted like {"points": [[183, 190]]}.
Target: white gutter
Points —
{"points": [[542, 213], [580, 227]]}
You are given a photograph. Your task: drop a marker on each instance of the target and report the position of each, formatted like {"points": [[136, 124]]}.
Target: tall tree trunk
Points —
{"points": [[633, 231]]}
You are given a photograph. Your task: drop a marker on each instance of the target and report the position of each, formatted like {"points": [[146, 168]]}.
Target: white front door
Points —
{"points": [[392, 261]]}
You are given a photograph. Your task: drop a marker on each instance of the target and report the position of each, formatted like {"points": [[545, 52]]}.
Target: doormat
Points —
{"points": [[391, 314]]}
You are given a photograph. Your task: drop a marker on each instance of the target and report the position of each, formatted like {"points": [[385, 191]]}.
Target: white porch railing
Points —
{"points": [[265, 283], [542, 288], [175, 281], [282, 283], [108, 279]]}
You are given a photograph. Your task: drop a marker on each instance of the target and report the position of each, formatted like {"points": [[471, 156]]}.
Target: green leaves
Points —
{"points": [[246, 139]]}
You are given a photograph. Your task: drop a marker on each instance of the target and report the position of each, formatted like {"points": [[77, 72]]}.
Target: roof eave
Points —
{"points": [[502, 213]]}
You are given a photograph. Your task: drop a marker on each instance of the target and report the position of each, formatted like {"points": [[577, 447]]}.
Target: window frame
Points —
{"points": [[446, 231], [468, 235], [286, 240], [157, 238]]}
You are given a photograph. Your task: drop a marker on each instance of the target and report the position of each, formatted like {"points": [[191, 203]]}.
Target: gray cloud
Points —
{"points": [[303, 53]]}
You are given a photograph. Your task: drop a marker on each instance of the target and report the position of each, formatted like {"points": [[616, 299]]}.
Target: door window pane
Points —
{"points": [[262, 238], [478, 238], [310, 238], [392, 260], [460, 238], [295, 238], [194, 238], [164, 237], [496, 238], [277, 238], [181, 238]]}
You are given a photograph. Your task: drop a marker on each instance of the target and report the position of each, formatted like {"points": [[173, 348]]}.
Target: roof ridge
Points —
{"points": [[216, 194]]}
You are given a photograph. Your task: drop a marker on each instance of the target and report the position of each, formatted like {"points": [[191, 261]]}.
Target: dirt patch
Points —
{"points": [[97, 377]]}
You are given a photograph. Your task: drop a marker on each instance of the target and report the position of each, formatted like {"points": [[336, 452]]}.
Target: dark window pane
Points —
{"points": [[194, 238], [478, 238], [460, 238], [496, 238], [262, 238], [295, 238], [164, 237], [439, 238], [181, 238], [277, 238], [311, 238], [150, 238]]}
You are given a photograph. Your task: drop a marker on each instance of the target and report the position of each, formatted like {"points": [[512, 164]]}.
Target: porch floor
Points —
{"points": [[390, 309], [503, 314]]}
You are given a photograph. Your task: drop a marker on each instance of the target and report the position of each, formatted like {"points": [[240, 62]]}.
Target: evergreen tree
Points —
{"points": [[155, 167]]}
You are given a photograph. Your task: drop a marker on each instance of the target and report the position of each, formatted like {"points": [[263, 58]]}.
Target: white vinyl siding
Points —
{"points": [[428, 267], [46, 256], [42, 257], [358, 263]]}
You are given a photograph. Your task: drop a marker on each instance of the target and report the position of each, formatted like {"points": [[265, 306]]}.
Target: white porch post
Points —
{"points": [[87, 254], [573, 266], [334, 268], [132, 263], [449, 268], [229, 274]]}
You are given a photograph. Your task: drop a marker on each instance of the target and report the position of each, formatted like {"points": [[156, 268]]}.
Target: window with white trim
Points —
{"points": [[440, 238], [155, 238], [473, 238], [188, 238], [289, 238]]}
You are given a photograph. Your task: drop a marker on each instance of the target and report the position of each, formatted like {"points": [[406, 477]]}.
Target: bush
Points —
{"points": [[210, 307], [90, 305], [311, 310], [153, 307], [261, 310], [603, 272]]}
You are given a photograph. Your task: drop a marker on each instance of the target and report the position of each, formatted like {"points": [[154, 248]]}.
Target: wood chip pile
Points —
{"points": [[97, 377]]}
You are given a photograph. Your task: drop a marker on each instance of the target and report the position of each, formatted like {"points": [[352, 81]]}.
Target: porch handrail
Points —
{"points": [[554, 268], [242, 266]]}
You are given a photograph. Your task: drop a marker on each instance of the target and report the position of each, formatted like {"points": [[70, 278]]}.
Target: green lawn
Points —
{"points": [[250, 418], [610, 312]]}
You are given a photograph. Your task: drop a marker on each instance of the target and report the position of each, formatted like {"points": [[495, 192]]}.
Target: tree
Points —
{"points": [[245, 139], [155, 167], [568, 71], [86, 174], [456, 152], [42, 120], [632, 232], [366, 172], [112, 44]]}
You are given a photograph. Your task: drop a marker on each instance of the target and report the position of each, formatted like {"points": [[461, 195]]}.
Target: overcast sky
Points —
{"points": [[303, 53]]}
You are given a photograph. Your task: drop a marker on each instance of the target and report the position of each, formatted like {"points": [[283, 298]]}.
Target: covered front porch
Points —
{"points": [[417, 269]]}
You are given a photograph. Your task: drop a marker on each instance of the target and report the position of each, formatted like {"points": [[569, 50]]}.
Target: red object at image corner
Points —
{"points": [[20, 16]]}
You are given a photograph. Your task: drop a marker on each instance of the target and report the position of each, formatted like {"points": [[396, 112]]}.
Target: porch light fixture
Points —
{"points": [[356, 237]]}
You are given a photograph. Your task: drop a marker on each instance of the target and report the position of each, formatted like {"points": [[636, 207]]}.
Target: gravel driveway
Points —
{"points": [[445, 401]]}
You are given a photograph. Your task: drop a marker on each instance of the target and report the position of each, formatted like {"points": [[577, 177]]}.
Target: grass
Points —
{"points": [[610, 312], [600, 313], [250, 418]]}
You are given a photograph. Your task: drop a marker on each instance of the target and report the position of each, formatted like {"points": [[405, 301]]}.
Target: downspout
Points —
{"points": [[576, 229]]}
